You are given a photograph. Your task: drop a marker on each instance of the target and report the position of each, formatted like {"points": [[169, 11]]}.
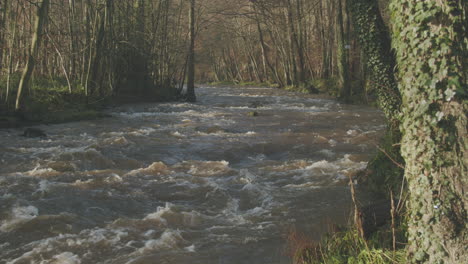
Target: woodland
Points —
{"points": [[65, 60]]}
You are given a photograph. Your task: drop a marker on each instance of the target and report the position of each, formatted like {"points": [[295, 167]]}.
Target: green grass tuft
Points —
{"points": [[349, 247]]}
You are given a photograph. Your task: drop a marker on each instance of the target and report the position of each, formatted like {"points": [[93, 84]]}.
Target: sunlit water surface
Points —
{"points": [[183, 183]]}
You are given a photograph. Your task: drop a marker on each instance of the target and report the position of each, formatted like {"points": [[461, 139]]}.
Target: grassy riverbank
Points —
{"points": [[50, 108], [348, 247], [51, 101]]}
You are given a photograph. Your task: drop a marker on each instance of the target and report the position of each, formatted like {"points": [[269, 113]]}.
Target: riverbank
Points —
{"points": [[348, 246], [56, 107], [322, 88], [55, 100], [40, 112]]}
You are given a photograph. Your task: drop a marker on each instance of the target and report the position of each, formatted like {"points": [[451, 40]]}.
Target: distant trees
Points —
{"points": [[94, 48], [287, 42], [265, 41], [100, 48]]}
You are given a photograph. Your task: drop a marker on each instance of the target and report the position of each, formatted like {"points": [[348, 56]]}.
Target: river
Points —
{"points": [[183, 183]]}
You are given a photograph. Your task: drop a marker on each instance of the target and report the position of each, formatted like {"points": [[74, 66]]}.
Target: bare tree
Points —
{"points": [[40, 17], [191, 55]]}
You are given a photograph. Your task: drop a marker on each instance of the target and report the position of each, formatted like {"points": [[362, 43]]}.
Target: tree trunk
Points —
{"points": [[343, 55], [300, 43], [191, 56], [71, 28], [87, 54], [431, 53], [326, 56], [41, 15], [138, 78], [263, 46], [4, 8], [96, 61], [12, 41], [292, 43], [375, 41]]}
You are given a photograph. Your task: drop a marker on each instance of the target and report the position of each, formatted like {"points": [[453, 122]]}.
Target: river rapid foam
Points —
{"points": [[183, 183]]}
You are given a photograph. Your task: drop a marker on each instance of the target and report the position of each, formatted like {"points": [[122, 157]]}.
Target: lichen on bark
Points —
{"points": [[430, 38]]}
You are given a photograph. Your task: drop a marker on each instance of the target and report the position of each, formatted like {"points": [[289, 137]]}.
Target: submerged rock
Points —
{"points": [[34, 133], [312, 90], [211, 129], [252, 113], [256, 104]]}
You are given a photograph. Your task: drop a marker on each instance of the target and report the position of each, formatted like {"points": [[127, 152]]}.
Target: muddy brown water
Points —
{"points": [[183, 183]]}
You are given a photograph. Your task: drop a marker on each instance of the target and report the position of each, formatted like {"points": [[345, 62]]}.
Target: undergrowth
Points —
{"points": [[349, 247], [47, 101], [385, 171]]}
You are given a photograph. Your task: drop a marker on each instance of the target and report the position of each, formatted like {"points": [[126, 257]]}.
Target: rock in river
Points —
{"points": [[34, 133]]}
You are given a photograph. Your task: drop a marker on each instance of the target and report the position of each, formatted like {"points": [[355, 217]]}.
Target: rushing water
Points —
{"points": [[182, 183]]}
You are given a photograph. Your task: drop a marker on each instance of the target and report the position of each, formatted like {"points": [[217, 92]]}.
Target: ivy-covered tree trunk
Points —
{"points": [[430, 38], [375, 41]]}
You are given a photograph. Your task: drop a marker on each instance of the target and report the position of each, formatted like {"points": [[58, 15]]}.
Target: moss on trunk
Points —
{"points": [[430, 38], [382, 173], [375, 41]]}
